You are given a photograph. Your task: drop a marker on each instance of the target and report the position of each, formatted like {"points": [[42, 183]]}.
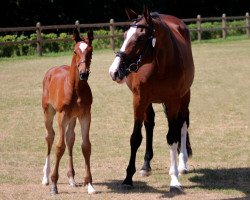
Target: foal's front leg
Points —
{"points": [[86, 149]]}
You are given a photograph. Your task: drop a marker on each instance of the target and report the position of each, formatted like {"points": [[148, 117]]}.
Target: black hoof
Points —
{"points": [[127, 184], [53, 190], [176, 190]]}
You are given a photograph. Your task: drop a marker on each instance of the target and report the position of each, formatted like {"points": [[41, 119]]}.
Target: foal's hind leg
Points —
{"points": [[60, 148], [149, 126], [70, 140], [184, 148], [49, 114], [86, 149]]}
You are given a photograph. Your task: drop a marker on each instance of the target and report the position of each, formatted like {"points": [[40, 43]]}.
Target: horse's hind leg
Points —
{"points": [[184, 148], [49, 114], [70, 140], [173, 137], [149, 126], [86, 149]]}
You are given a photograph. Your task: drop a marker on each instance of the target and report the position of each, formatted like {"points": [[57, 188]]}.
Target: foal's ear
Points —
{"points": [[76, 35], [90, 36], [147, 15], [131, 14]]}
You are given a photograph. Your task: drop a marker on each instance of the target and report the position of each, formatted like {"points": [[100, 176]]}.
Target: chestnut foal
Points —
{"points": [[67, 93]]}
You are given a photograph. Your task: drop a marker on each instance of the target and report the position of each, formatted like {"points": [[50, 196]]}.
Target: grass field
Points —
{"points": [[219, 131]]}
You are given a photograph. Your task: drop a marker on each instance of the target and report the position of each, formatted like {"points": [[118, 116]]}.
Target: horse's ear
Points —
{"points": [[131, 14], [90, 35], [76, 35], [147, 15]]}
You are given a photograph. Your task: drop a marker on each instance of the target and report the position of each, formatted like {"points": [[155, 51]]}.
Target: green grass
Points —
{"points": [[219, 130]]}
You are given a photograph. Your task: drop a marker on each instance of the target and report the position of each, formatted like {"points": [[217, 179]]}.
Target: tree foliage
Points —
{"points": [[48, 12]]}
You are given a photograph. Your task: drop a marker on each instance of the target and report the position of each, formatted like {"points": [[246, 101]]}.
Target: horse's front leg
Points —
{"points": [[135, 140], [86, 149], [70, 140], [149, 126]]}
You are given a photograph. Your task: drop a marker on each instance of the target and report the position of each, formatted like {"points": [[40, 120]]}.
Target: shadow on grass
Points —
{"points": [[237, 179], [139, 187]]}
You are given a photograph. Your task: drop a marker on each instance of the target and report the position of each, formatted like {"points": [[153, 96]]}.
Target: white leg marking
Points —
{"points": [[183, 156], [173, 171], [72, 182], [91, 189], [46, 171]]}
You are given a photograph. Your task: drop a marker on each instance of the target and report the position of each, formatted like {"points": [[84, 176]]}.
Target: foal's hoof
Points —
{"points": [[145, 173], [176, 189], [91, 189], [72, 182], [45, 181], [53, 190]]}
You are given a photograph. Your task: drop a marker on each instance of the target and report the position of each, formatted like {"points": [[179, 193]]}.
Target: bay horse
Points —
{"points": [[156, 63], [67, 93]]}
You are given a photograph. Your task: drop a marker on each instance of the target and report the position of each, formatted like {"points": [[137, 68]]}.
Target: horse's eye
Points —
{"points": [[140, 39], [74, 52]]}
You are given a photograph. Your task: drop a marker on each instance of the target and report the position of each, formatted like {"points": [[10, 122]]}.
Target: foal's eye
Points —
{"points": [[74, 52]]}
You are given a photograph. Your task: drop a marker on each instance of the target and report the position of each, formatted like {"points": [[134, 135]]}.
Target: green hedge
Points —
{"points": [[30, 49], [217, 33]]}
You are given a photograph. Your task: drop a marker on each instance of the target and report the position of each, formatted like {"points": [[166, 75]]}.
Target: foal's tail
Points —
{"points": [[188, 146]]}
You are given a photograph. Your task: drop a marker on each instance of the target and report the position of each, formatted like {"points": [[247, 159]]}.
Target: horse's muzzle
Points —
{"points": [[84, 76]]}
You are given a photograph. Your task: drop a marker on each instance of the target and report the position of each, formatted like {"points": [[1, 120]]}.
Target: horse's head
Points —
{"points": [[138, 40], [82, 53]]}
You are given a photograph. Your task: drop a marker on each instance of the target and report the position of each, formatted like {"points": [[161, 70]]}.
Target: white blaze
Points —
{"points": [[114, 67], [83, 46]]}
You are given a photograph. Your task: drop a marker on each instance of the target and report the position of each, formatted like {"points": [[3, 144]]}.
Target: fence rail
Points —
{"points": [[112, 25]]}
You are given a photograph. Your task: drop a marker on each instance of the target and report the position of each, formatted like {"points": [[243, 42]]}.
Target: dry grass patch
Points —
{"points": [[219, 169]]}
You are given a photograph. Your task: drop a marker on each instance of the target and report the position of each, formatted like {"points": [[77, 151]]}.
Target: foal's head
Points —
{"points": [[138, 42], [82, 54]]}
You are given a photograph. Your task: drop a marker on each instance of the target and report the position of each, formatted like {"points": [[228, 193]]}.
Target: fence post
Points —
{"points": [[224, 26], [77, 23], [39, 39], [198, 22], [247, 25], [112, 34]]}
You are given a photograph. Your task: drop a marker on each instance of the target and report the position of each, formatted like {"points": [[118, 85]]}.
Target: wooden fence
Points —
{"points": [[112, 26]]}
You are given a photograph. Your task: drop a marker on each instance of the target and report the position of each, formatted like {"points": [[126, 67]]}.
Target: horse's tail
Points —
{"points": [[188, 146]]}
